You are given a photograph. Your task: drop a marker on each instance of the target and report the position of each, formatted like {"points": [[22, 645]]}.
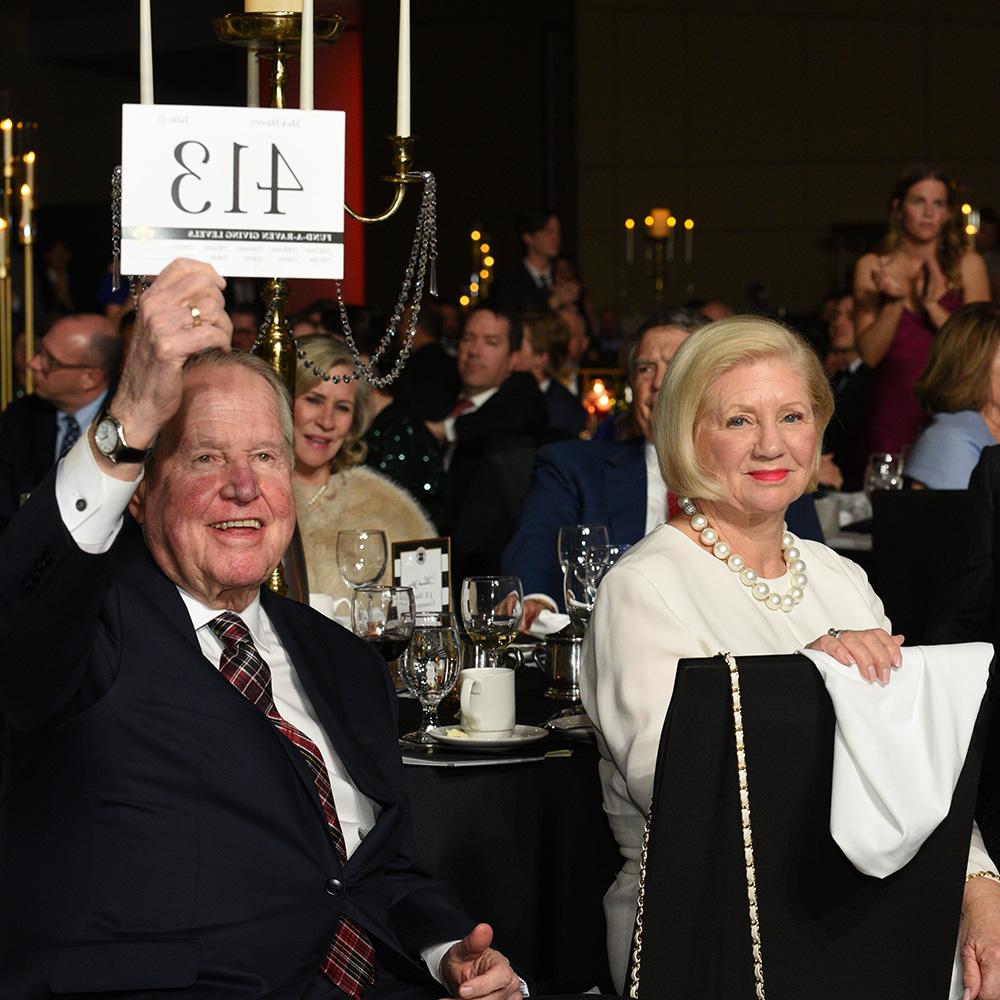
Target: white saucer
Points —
{"points": [[519, 737]]}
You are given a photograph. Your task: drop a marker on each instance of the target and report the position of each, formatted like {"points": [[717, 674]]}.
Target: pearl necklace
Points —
{"points": [[748, 577]]}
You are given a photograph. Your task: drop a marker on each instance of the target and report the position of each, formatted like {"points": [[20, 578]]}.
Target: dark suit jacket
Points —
{"points": [[514, 414], [591, 482], [157, 834], [566, 415], [27, 449], [515, 289], [847, 433]]}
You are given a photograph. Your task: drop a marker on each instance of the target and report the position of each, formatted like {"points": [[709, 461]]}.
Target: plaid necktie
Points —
{"points": [[350, 959], [71, 435]]}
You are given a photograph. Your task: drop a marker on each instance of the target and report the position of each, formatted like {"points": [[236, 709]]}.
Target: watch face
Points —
{"points": [[106, 436]]}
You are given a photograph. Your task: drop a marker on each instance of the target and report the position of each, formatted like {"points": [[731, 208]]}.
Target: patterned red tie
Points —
{"points": [[350, 959], [462, 406]]}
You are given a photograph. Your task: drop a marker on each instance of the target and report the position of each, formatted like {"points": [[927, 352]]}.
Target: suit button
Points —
{"points": [[335, 887], [81, 504]]}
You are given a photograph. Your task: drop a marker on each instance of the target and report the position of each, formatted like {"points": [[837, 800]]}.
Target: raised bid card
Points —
{"points": [[256, 192]]}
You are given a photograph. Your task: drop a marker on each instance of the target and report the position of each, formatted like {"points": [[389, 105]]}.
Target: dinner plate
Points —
{"points": [[519, 737]]}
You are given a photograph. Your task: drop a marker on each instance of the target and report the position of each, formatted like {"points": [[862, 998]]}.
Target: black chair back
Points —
{"points": [[827, 931]]}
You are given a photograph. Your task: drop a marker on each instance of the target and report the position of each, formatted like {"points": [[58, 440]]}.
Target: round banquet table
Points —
{"points": [[526, 846]]}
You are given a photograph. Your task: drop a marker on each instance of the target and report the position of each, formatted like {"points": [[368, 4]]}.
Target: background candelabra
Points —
{"points": [[19, 164], [660, 226]]}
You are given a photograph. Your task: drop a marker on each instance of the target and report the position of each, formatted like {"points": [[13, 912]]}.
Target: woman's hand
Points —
{"points": [[872, 650], [979, 939], [889, 279]]}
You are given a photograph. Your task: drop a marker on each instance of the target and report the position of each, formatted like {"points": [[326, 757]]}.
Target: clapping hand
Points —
{"points": [[934, 283], [889, 279], [472, 970]]}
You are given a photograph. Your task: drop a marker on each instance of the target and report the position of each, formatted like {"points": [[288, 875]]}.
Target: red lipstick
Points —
{"points": [[770, 475]]}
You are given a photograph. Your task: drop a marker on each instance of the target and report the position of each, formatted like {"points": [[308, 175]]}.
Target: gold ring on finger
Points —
{"points": [[195, 315]]}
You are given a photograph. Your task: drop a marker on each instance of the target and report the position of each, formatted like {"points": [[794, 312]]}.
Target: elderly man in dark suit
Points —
{"points": [[76, 362], [203, 792], [613, 483]]}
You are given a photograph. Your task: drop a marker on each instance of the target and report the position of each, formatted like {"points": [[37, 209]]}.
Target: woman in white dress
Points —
{"points": [[738, 429]]}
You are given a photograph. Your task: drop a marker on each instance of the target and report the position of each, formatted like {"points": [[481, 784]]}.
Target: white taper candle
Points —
{"points": [[403, 71]]}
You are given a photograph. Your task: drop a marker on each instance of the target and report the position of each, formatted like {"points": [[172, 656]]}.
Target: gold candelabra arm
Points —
{"points": [[403, 174]]}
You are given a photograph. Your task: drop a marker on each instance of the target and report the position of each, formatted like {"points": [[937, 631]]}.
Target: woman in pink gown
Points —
{"points": [[920, 274]]}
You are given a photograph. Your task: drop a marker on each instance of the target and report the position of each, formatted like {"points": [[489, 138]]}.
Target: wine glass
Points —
{"points": [[583, 577], [361, 555], [429, 668], [884, 471], [384, 616], [491, 612], [574, 539]]}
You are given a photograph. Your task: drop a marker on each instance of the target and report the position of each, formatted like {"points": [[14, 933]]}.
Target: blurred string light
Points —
{"points": [[481, 272]]}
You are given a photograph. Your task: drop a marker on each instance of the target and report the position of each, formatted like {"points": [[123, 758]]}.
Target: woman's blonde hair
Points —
{"points": [[958, 372], [323, 351], [687, 393]]}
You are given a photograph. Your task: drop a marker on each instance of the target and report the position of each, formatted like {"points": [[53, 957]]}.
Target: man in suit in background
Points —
{"points": [[544, 348], [613, 483], [203, 790], [531, 284], [76, 362], [498, 411]]}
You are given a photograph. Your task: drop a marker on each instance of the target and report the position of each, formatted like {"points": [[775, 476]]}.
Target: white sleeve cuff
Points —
{"points": [[979, 859], [542, 599], [432, 959], [449, 429], [91, 503]]}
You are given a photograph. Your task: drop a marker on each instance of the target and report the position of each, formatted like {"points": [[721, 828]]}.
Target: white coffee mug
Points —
{"points": [[323, 603], [487, 701]]}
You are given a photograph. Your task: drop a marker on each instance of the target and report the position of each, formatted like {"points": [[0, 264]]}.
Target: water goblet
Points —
{"points": [[884, 471], [384, 616], [575, 539], [361, 555], [491, 613], [429, 668]]}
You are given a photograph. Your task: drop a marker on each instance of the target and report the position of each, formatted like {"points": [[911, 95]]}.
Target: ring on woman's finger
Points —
{"points": [[195, 315], [834, 633]]}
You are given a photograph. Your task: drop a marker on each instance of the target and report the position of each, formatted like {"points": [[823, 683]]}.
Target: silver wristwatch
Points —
{"points": [[109, 436]]}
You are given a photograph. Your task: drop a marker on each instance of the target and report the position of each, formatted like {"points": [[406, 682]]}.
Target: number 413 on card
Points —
{"points": [[257, 192]]}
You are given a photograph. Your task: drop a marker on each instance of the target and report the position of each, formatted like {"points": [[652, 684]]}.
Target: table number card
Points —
{"points": [[424, 565], [256, 192]]}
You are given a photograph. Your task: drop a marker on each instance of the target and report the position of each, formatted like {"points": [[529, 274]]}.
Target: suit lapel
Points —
{"points": [[305, 650], [625, 482]]}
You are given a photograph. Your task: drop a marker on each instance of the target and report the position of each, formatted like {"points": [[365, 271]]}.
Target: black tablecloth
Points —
{"points": [[526, 847]]}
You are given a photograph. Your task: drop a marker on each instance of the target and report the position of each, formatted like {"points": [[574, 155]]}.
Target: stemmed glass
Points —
{"points": [[491, 613], [361, 555], [429, 669], [583, 577], [384, 616], [575, 539], [884, 471]]}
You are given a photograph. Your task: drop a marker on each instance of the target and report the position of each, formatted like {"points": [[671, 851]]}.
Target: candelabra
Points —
{"points": [[8, 237]]}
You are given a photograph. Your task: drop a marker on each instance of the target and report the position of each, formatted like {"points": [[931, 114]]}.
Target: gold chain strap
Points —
{"points": [[751, 871], [633, 990]]}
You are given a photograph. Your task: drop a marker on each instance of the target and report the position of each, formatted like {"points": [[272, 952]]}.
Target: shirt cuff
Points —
{"points": [[542, 599], [432, 959], [91, 503], [449, 429], [979, 859]]}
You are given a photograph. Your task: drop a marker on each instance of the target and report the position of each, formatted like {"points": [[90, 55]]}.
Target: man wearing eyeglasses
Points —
{"points": [[72, 369]]}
